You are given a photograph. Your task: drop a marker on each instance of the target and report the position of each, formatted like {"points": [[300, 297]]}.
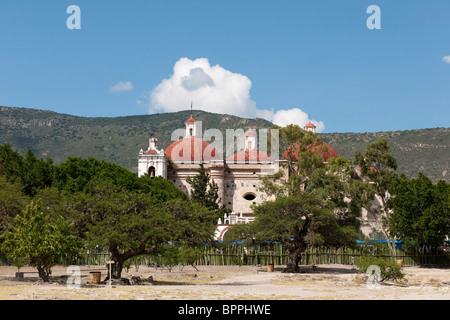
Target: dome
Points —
{"points": [[190, 120], [151, 151], [328, 152], [250, 133], [250, 155], [200, 150]]}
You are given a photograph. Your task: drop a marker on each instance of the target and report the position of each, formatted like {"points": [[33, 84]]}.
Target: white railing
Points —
{"points": [[235, 218]]}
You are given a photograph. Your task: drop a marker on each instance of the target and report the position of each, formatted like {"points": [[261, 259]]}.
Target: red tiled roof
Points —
{"points": [[250, 133], [250, 155], [191, 149]]}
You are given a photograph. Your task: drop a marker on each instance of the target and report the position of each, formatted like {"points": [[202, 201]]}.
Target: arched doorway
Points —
{"points": [[222, 232], [151, 171]]}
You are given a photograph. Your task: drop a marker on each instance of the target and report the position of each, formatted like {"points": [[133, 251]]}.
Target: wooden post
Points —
{"points": [[110, 262]]}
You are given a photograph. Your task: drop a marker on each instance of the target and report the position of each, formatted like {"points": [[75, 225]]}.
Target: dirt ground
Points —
{"points": [[324, 282]]}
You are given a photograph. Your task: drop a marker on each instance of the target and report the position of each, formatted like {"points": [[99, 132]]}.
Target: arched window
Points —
{"points": [[151, 171]]}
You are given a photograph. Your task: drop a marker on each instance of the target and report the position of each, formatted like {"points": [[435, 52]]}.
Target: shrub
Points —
{"points": [[389, 269]]}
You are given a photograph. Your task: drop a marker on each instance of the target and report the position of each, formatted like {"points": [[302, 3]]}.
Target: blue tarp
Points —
{"points": [[398, 243]]}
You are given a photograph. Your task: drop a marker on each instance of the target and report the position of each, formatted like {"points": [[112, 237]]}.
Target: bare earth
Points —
{"points": [[326, 282]]}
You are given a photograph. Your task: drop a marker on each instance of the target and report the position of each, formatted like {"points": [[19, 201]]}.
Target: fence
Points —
{"points": [[263, 254], [278, 255]]}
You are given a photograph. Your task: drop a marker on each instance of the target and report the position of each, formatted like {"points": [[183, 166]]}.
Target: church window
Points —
{"points": [[249, 196]]}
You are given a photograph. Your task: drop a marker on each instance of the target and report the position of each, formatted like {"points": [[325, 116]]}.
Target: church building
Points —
{"points": [[237, 175]]}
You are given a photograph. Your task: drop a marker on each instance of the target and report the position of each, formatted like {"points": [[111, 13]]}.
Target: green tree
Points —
{"points": [[36, 173], [205, 191], [40, 238], [31, 172], [421, 210], [170, 255], [309, 207], [302, 151], [11, 163], [128, 223], [377, 172], [81, 175], [298, 222], [335, 185], [12, 202]]}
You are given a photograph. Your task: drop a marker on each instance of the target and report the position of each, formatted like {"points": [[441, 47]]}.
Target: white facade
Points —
{"points": [[153, 161]]}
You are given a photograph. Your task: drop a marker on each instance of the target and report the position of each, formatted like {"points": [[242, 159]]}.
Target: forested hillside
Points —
{"points": [[119, 139]]}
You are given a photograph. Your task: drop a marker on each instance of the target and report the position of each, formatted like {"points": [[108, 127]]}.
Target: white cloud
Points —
{"points": [[210, 88], [215, 89], [446, 59], [283, 118], [122, 86], [197, 78]]}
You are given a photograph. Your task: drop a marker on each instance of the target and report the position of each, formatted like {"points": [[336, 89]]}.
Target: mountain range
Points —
{"points": [[119, 139]]}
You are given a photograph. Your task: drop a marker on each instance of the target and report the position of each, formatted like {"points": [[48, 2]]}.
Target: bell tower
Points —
{"points": [[191, 127], [250, 140], [310, 127], [153, 161]]}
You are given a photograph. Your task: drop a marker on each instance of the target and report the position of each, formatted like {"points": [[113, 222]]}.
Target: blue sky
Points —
{"points": [[248, 57]]}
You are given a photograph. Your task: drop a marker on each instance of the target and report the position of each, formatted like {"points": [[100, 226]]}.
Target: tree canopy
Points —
{"points": [[376, 173], [40, 239], [421, 210], [302, 151], [205, 191], [308, 207], [100, 203], [31, 172], [128, 223]]}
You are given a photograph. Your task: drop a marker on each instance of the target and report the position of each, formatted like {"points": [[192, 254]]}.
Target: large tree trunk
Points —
{"points": [[117, 266], [378, 216], [295, 255], [44, 272], [120, 258]]}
